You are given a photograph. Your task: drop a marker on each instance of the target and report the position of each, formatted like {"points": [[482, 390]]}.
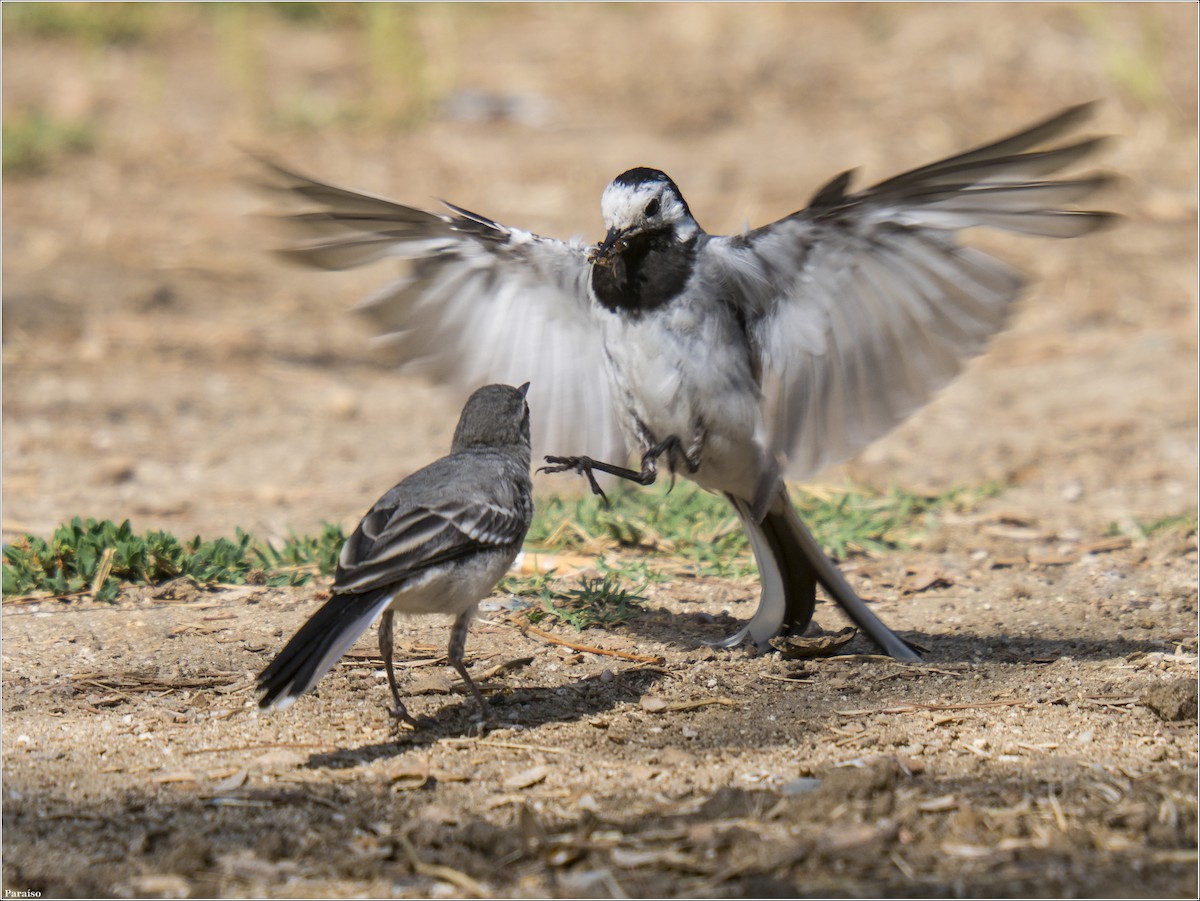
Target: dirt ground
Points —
{"points": [[159, 366]]}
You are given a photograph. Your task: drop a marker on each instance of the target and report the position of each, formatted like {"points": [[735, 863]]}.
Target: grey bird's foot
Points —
{"points": [[399, 712], [486, 723]]}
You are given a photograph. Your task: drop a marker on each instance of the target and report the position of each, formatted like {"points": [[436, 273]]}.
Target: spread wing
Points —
{"points": [[479, 303], [861, 306]]}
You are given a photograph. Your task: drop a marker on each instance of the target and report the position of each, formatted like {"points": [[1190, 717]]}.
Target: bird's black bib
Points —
{"points": [[647, 274]]}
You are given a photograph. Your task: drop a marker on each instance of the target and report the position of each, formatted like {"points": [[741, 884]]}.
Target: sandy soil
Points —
{"points": [[158, 365]]}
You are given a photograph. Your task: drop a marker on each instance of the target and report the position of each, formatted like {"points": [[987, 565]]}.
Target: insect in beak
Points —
{"points": [[613, 244]]}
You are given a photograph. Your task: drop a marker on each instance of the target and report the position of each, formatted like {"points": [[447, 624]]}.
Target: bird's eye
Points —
{"points": [[652, 207]]}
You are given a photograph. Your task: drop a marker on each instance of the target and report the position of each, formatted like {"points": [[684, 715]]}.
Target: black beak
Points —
{"points": [[613, 243]]}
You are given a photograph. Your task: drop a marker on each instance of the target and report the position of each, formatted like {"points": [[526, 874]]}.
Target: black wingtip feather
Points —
{"points": [[834, 192]]}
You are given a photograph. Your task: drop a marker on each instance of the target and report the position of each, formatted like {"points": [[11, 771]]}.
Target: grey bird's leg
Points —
{"points": [[399, 712], [458, 643]]}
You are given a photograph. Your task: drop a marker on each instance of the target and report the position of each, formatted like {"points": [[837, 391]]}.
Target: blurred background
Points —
{"points": [[160, 365]]}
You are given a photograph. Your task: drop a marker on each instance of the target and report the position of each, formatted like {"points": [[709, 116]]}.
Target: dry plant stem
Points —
{"points": [[546, 636]]}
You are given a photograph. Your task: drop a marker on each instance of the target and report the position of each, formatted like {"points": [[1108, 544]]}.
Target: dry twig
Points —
{"points": [[624, 655]]}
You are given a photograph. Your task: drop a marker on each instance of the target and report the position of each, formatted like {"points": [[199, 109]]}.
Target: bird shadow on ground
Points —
{"points": [[528, 707], [935, 647]]}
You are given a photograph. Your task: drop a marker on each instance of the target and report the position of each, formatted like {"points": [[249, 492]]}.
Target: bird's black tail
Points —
{"points": [[798, 576], [790, 564], [318, 645]]}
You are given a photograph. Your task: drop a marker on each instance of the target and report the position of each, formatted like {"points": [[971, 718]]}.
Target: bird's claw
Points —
{"points": [[484, 725], [400, 713], [580, 465]]}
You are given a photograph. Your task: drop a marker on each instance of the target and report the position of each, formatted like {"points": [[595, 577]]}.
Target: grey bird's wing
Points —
{"points": [[861, 306], [399, 540], [480, 302]]}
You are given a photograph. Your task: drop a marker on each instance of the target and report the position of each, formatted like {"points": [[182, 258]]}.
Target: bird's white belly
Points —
{"points": [[453, 588], [675, 371]]}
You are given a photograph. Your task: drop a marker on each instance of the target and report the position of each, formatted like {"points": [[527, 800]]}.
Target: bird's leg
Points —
{"points": [[458, 643], [695, 448], [399, 712], [674, 449], [585, 466], [672, 446]]}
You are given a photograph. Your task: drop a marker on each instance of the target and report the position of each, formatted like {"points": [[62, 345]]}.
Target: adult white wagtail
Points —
{"points": [[741, 359], [436, 543]]}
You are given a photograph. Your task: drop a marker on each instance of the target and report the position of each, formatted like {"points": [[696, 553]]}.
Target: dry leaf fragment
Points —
{"points": [[279, 760], [231, 783], [965, 851], [659, 705], [1015, 532], [404, 776], [924, 579], [942, 802], [803, 647], [173, 776], [639, 772], [1051, 558], [526, 778], [155, 885], [561, 565], [1105, 545], [856, 838], [507, 666], [628, 858]]}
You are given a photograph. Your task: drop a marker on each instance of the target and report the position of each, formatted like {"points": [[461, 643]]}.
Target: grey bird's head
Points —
{"points": [[641, 202], [495, 416]]}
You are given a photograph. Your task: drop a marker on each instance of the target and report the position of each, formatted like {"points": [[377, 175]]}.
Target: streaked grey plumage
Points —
{"points": [[741, 359], [435, 543]]}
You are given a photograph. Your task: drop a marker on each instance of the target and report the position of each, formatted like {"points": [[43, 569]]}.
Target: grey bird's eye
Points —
{"points": [[652, 207]]}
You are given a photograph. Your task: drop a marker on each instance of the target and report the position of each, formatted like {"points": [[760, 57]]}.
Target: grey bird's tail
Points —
{"points": [[791, 563], [318, 645]]}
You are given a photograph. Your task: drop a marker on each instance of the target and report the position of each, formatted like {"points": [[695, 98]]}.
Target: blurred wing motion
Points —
{"points": [[480, 303], [863, 305]]}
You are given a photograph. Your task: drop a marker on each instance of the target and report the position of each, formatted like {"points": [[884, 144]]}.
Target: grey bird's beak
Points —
{"points": [[613, 243]]}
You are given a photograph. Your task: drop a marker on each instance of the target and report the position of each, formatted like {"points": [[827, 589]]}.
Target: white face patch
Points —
{"points": [[624, 207]]}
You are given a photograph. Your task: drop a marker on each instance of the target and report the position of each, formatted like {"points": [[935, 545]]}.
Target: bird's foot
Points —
{"points": [[400, 713], [485, 724], [581, 465]]}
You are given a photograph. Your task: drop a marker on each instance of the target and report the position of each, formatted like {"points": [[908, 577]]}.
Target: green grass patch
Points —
{"points": [[34, 141], [604, 601], [90, 556], [701, 528], [1149, 528], [653, 530], [98, 24], [861, 521]]}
